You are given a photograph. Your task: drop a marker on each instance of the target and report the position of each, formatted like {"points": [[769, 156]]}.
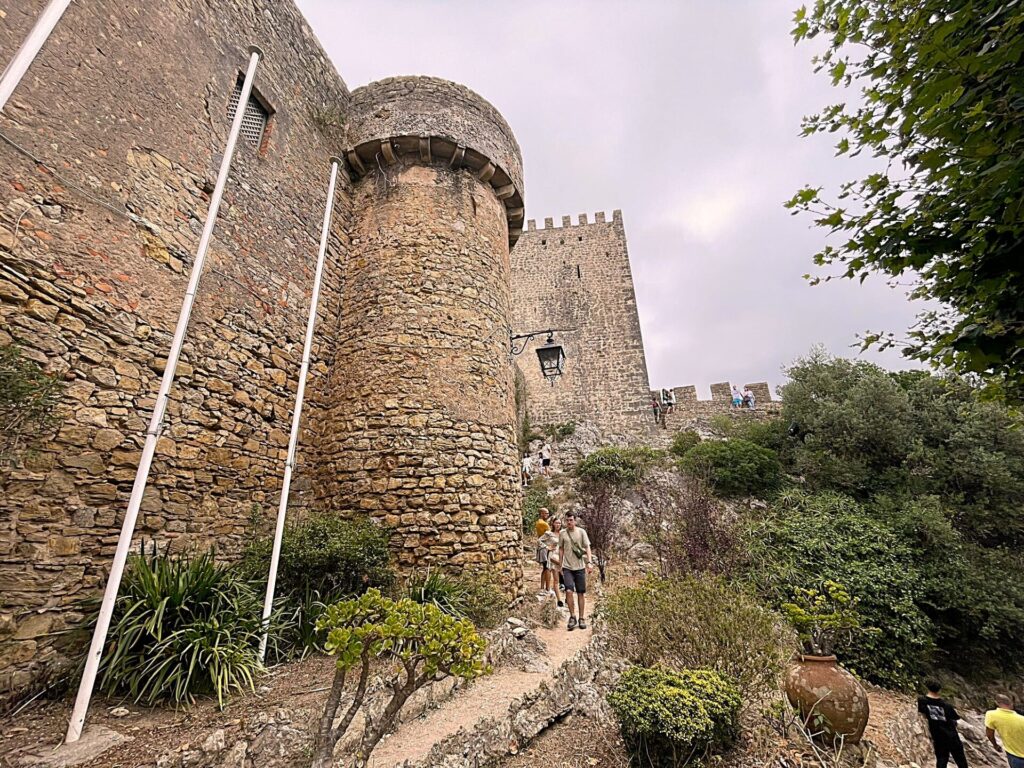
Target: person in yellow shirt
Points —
{"points": [[541, 527], [1010, 727]]}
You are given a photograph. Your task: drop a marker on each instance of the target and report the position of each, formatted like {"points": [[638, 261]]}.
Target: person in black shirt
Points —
{"points": [[942, 726]]}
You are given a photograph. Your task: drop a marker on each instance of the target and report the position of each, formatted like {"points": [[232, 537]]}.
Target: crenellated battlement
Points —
{"points": [[582, 220], [721, 392]]}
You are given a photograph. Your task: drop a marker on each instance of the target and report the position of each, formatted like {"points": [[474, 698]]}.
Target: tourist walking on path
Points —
{"points": [[545, 458], [574, 552], [737, 398], [527, 469], [668, 399], [541, 527], [942, 719], [1010, 727], [656, 408], [550, 543]]}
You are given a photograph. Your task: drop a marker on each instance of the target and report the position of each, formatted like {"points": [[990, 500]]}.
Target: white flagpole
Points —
{"points": [[18, 66], [293, 440], [124, 542]]}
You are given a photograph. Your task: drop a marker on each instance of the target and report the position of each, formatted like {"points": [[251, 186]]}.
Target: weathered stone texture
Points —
{"points": [[419, 432], [577, 277], [93, 267]]}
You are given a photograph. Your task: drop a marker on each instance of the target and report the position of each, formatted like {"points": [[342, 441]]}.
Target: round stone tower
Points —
{"points": [[419, 429]]}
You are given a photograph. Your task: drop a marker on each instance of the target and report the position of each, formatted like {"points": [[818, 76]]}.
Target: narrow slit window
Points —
{"points": [[254, 119]]}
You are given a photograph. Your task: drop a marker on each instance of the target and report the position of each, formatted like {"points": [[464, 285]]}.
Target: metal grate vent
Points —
{"points": [[254, 120]]}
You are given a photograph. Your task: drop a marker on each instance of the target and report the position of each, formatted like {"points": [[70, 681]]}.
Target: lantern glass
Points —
{"points": [[552, 359]]}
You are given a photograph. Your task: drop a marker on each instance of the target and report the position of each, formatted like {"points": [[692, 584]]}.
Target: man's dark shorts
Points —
{"points": [[575, 581]]}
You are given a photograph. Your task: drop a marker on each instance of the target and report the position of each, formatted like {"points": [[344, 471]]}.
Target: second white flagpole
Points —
{"points": [[282, 509], [124, 541]]}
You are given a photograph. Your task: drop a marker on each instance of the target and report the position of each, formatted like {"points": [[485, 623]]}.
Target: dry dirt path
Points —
{"points": [[489, 696]]}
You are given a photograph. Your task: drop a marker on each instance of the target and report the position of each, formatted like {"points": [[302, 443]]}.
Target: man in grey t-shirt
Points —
{"points": [[574, 552]]}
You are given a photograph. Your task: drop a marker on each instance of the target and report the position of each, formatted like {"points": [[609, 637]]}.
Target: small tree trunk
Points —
{"points": [[323, 746]]}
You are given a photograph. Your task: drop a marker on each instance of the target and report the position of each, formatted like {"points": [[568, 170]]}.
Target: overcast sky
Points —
{"points": [[683, 113]]}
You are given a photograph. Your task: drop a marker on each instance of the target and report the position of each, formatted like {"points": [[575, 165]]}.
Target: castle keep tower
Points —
{"points": [[418, 426]]}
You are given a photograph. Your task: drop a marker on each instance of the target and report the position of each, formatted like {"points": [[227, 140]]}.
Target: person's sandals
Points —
{"points": [[572, 623], [582, 624]]}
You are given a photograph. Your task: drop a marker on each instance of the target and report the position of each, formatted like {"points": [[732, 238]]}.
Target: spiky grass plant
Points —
{"points": [[183, 626]]}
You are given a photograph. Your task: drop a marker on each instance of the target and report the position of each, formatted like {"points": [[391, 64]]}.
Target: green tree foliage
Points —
{"points": [[734, 467], [28, 401], [182, 626], [943, 101], [700, 621], [416, 644], [824, 618], [807, 538], [324, 558], [868, 432], [938, 467], [674, 718]]}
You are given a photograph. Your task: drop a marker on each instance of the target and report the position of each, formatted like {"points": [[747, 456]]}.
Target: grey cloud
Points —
{"points": [[683, 114]]}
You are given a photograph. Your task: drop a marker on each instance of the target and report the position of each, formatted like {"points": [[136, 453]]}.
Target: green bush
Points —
{"points": [[618, 467], [182, 626], [535, 497], [700, 622], [560, 431], [683, 441], [474, 595], [805, 539], [734, 467], [670, 719], [324, 558]]}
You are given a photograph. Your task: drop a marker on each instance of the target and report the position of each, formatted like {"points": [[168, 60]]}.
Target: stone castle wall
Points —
{"points": [[108, 153], [577, 278], [95, 256]]}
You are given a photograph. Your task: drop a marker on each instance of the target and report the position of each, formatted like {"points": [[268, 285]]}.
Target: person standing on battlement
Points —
{"points": [[737, 398], [1010, 727], [942, 719], [656, 407], [748, 397], [668, 397], [574, 553]]}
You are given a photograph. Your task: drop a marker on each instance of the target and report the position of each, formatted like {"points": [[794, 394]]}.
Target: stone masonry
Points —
{"points": [[576, 278], [108, 154]]}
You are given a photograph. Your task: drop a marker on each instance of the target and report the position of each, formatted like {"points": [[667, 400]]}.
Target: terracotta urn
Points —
{"points": [[817, 685]]}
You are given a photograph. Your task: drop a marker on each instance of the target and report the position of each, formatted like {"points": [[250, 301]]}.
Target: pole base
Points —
{"points": [[95, 740]]}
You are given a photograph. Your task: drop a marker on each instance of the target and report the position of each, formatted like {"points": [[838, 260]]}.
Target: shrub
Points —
{"points": [[324, 558], [535, 497], [805, 539], [685, 524], [182, 626], [671, 719], [618, 467], [474, 595], [683, 441], [700, 622], [416, 643], [28, 401], [560, 431], [734, 467]]}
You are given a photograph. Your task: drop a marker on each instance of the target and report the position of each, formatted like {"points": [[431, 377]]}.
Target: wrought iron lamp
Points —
{"points": [[550, 354]]}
